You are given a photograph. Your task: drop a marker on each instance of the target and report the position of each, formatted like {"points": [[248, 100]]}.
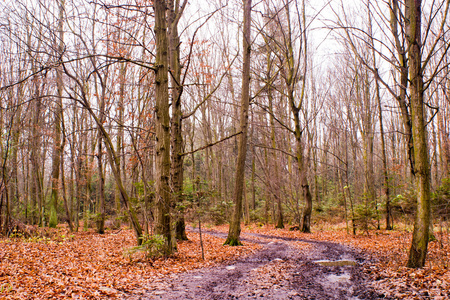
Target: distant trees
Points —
{"points": [[285, 36], [410, 66]]}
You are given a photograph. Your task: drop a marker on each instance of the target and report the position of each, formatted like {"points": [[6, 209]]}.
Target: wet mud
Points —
{"points": [[280, 270]]}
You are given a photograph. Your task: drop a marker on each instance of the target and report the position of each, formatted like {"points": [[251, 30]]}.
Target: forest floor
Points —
{"points": [[273, 263]]}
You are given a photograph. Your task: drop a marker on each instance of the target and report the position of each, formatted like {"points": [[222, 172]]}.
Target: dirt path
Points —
{"points": [[280, 270]]}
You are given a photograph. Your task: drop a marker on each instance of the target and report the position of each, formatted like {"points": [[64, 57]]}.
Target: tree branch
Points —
{"points": [[211, 144]]}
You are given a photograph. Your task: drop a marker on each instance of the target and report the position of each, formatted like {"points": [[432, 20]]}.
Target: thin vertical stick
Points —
{"points": [[197, 183]]}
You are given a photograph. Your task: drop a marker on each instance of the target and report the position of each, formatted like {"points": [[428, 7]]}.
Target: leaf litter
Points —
{"points": [[86, 265]]}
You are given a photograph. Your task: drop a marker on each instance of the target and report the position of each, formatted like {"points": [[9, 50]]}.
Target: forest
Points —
{"points": [[154, 119]]}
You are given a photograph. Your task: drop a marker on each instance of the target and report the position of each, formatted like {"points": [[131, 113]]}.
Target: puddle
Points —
{"points": [[335, 263], [338, 278], [277, 259], [335, 284]]}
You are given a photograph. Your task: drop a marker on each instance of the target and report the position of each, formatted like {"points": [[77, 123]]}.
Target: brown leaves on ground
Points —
{"points": [[389, 250], [86, 265]]}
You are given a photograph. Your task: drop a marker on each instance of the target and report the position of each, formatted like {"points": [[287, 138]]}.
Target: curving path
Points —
{"points": [[280, 270]]}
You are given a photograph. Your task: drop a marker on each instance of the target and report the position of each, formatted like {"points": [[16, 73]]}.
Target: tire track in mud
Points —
{"points": [[280, 270]]}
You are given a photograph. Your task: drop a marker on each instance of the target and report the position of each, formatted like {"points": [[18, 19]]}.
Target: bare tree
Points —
{"points": [[163, 194], [174, 14], [419, 244], [233, 238]]}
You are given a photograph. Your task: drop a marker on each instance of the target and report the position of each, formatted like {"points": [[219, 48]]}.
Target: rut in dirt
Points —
{"points": [[280, 270]]}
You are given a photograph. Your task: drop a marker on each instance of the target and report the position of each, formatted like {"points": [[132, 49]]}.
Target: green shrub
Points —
{"points": [[441, 199], [152, 246], [365, 214]]}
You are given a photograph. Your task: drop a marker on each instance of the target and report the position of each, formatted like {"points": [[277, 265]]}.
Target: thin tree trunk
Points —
{"points": [[347, 182], [63, 187], [382, 135], [275, 182], [101, 206], [234, 232], [176, 135], [395, 17], [389, 225], [367, 134], [36, 159], [57, 150], [120, 145]]}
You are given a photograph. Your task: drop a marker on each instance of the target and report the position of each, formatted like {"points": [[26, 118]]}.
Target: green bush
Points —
{"points": [[365, 214], [219, 212], [441, 199], [152, 246]]}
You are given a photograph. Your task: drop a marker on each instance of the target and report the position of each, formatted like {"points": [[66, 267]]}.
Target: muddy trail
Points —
{"points": [[282, 269]]}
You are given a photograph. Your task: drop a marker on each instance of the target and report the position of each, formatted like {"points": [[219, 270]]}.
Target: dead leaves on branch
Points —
{"points": [[91, 266]]}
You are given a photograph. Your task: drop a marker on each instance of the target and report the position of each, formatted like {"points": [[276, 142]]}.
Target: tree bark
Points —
{"points": [[120, 143], [56, 160], [162, 123], [295, 109], [419, 244], [234, 232], [177, 175], [307, 210], [63, 186], [101, 208]]}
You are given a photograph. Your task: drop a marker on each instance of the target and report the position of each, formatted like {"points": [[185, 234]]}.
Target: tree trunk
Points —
{"points": [[101, 206], [162, 124], [382, 135], [234, 232], [307, 210], [419, 244], [253, 178], [292, 75], [368, 136], [395, 17], [16, 128], [56, 160], [120, 144], [389, 225], [101, 203], [275, 180], [63, 186], [36, 160], [176, 135]]}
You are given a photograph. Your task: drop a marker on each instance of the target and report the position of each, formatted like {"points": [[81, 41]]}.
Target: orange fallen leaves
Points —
{"points": [[91, 266]]}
